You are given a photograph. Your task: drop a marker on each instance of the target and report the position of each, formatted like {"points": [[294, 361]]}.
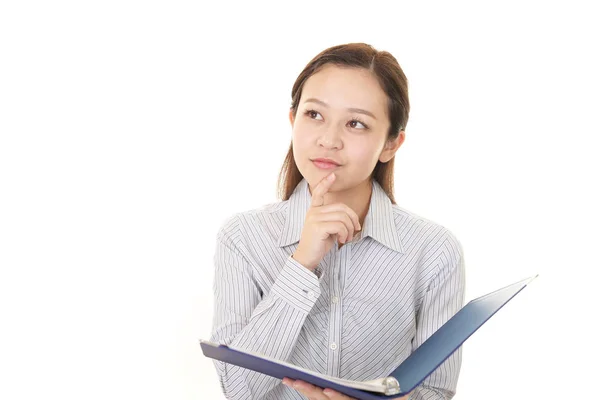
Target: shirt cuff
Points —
{"points": [[297, 285]]}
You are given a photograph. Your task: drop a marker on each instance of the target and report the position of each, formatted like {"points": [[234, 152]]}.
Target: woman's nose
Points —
{"points": [[331, 138]]}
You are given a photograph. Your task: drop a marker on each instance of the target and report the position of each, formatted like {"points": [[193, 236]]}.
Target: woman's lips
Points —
{"points": [[325, 165]]}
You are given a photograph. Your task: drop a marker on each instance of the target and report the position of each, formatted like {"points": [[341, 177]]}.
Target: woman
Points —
{"points": [[336, 277]]}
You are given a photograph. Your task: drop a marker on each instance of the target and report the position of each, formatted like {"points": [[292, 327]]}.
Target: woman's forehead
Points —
{"points": [[343, 87]]}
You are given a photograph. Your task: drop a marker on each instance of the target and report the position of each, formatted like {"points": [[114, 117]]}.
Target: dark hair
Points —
{"points": [[386, 69]]}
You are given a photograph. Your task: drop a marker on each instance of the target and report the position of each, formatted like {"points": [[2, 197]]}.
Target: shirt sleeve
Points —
{"points": [[267, 323], [444, 298]]}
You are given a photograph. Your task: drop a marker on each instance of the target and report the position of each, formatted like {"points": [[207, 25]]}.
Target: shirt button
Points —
{"points": [[310, 294], [333, 346], [335, 300]]}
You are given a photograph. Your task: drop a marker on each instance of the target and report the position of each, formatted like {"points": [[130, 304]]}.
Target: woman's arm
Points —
{"points": [[266, 323], [444, 298]]}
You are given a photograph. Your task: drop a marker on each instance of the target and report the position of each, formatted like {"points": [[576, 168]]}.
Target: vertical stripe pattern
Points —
{"points": [[367, 306]]}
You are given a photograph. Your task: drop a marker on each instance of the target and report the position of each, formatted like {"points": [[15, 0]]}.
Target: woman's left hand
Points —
{"points": [[316, 393]]}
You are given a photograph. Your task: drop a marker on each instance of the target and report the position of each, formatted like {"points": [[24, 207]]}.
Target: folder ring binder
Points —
{"points": [[391, 386]]}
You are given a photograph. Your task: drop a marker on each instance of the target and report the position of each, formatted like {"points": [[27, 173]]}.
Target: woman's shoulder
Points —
{"points": [[410, 223], [237, 223], [432, 239]]}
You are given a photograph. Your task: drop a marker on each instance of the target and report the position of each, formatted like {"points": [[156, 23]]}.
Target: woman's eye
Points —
{"points": [[354, 121], [312, 113]]}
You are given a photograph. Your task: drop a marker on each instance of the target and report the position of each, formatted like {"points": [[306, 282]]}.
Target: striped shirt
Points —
{"points": [[366, 307]]}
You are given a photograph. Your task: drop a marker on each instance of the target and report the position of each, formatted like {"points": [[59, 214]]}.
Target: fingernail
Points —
{"points": [[330, 177], [327, 392]]}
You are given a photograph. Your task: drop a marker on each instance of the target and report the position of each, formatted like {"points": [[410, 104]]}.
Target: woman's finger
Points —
{"points": [[333, 395], [339, 216], [310, 391]]}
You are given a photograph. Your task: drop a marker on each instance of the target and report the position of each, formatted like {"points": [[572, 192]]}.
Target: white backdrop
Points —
{"points": [[130, 129]]}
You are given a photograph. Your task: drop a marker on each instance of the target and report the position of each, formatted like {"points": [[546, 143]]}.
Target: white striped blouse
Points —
{"points": [[366, 307]]}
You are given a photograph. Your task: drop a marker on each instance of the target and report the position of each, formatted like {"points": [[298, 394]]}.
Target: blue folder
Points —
{"points": [[408, 375]]}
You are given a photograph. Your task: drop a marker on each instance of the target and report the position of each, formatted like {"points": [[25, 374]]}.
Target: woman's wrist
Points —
{"points": [[303, 263]]}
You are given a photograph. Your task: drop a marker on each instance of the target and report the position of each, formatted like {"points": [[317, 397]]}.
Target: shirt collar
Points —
{"points": [[379, 223]]}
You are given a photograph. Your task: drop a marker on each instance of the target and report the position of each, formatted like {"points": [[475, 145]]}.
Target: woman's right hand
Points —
{"points": [[323, 225]]}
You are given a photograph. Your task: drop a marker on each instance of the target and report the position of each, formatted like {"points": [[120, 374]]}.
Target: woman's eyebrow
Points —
{"points": [[356, 110]]}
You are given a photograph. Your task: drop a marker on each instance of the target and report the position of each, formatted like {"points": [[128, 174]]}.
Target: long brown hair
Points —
{"points": [[393, 82]]}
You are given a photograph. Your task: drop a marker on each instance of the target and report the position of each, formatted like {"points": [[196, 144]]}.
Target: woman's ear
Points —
{"points": [[391, 146], [292, 118]]}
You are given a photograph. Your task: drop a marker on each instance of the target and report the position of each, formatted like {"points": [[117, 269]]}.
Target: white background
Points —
{"points": [[130, 130]]}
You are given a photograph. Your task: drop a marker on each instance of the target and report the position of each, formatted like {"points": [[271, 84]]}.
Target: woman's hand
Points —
{"points": [[323, 224], [316, 393]]}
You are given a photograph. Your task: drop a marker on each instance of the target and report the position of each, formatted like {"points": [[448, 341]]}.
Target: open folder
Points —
{"points": [[408, 375]]}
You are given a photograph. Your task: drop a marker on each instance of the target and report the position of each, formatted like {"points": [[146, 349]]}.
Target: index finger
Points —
{"points": [[318, 195]]}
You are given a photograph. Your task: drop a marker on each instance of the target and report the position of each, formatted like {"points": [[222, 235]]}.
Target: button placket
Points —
{"points": [[333, 356], [335, 315]]}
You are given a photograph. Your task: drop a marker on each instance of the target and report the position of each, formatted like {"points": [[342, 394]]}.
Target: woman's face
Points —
{"points": [[342, 115]]}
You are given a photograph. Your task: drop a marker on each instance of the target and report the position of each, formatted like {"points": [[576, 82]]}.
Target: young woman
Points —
{"points": [[336, 277]]}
